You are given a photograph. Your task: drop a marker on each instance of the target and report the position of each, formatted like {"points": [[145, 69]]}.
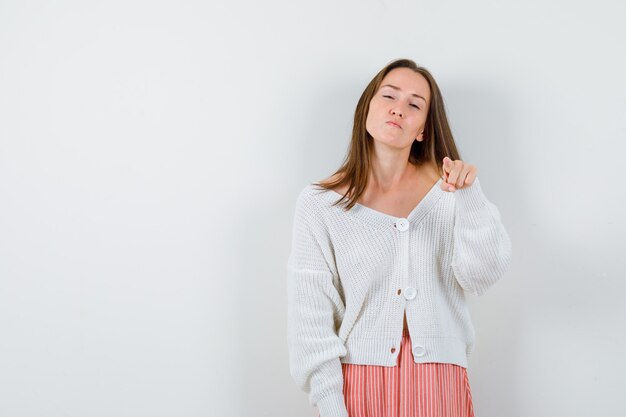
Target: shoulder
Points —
{"points": [[308, 201]]}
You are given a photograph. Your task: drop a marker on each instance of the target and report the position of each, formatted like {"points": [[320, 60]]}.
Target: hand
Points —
{"points": [[457, 174]]}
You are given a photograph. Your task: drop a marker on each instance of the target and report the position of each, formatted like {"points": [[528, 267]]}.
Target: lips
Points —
{"points": [[389, 122]]}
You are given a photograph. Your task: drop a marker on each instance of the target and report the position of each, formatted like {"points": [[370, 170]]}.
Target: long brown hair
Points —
{"points": [[436, 144]]}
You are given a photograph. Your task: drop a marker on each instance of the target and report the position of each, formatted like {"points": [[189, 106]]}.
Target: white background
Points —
{"points": [[150, 157]]}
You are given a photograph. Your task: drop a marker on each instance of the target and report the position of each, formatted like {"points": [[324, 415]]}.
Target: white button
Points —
{"points": [[419, 351], [410, 293], [402, 224]]}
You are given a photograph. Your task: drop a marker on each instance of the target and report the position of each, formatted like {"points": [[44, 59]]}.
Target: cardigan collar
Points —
{"points": [[386, 221]]}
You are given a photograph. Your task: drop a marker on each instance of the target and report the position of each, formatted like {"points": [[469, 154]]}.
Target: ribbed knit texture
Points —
{"points": [[351, 275]]}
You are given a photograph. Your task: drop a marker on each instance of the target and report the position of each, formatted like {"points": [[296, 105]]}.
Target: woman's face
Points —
{"points": [[398, 110]]}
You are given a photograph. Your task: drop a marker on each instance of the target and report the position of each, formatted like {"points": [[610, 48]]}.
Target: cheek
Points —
{"points": [[368, 124], [420, 122], [370, 119]]}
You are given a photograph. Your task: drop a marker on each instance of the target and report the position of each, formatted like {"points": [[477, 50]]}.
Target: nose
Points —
{"points": [[397, 113]]}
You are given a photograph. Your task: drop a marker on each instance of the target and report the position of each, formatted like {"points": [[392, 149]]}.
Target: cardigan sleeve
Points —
{"points": [[482, 247], [314, 309]]}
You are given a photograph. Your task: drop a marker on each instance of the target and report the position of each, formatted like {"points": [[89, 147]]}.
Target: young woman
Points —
{"points": [[378, 324]]}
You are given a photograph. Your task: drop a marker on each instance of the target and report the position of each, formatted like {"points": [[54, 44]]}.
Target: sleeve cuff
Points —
{"points": [[333, 405], [471, 198]]}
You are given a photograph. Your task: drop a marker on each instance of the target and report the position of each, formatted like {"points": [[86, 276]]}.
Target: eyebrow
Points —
{"points": [[398, 88]]}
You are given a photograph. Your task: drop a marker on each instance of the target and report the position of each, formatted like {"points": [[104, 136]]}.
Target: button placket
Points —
{"points": [[402, 225]]}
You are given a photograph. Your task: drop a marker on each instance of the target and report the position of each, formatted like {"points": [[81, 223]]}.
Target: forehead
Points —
{"points": [[408, 81]]}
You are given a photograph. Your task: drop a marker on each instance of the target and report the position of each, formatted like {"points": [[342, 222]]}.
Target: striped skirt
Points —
{"points": [[407, 390]]}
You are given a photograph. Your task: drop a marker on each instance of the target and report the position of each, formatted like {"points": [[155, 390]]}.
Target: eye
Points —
{"points": [[415, 106], [387, 96]]}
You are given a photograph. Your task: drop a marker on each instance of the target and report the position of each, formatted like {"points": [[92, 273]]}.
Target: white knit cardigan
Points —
{"points": [[352, 274]]}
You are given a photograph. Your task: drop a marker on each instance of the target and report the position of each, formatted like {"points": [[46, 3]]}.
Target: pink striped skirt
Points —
{"points": [[407, 390]]}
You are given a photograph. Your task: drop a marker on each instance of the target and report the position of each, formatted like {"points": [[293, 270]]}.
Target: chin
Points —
{"points": [[393, 142]]}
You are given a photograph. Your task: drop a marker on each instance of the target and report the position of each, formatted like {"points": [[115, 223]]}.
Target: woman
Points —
{"points": [[378, 324]]}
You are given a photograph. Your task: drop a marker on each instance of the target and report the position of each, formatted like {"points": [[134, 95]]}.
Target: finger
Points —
{"points": [[454, 173], [461, 181], [446, 187], [471, 176], [447, 167]]}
